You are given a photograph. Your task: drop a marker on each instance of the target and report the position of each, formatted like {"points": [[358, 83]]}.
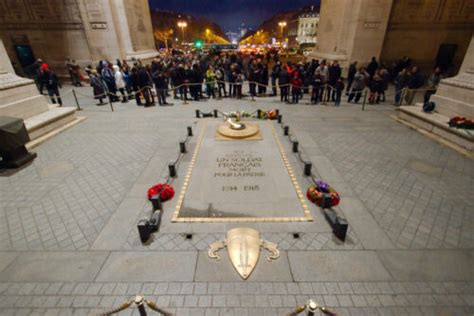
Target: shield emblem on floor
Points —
{"points": [[243, 247]]}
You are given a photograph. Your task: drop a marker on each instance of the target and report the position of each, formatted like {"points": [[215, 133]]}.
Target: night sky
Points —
{"points": [[229, 14]]}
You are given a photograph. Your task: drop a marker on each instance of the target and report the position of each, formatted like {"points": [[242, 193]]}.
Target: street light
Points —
{"points": [[282, 24], [208, 32], [182, 25]]}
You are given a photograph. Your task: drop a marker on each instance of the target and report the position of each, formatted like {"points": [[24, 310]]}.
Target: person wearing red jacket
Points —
{"points": [[295, 87]]}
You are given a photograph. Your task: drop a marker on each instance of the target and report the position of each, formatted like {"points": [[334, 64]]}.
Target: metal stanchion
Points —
{"points": [[182, 147], [365, 100], [190, 130], [286, 130], [198, 114], [307, 168], [279, 118], [172, 169], [75, 98], [215, 113], [110, 103], [295, 146]]}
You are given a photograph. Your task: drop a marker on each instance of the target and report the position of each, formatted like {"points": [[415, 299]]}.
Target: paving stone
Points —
{"points": [[322, 266], [145, 266]]}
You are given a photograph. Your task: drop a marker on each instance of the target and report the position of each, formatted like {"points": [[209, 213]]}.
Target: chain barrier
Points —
{"points": [[326, 88], [140, 302]]}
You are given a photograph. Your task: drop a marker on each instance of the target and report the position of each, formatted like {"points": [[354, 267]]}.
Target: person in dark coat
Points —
{"points": [[161, 85], [401, 82], [253, 78], [338, 88], [372, 67], [283, 82], [415, 82], [262, 90], [52, 84], [350, 76], [275, 72], [334, 74], [109, 78], [135, 85], [317, 83], [144, 84], [99, 87]]}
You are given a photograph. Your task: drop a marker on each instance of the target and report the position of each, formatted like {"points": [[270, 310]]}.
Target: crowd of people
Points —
{"points": [[215, 75]]}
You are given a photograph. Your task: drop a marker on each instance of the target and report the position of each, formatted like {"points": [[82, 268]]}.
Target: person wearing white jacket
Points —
{"points": [[120, 83]]}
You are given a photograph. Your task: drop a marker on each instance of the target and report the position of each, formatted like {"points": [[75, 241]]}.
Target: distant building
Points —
{"points": [[243, 30], [292, 33], [308, 26], [233, 37]]}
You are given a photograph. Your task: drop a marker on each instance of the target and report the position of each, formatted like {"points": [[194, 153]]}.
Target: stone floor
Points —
{"points": [[69, 243]]}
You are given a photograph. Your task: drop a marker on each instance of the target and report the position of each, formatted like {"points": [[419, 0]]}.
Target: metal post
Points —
{"points": [[182, 147], [75, 98], [198, 114], [295, 146], [365, 99], [215, 113], [190, 131], [259, 113], [110, 102], [279, 118], [185, 93], [286, 130], [307, 168], [139, 300], [172, 170]]}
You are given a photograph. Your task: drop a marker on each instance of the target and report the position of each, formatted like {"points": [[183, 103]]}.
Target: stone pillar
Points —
{"points": [[352, 30], [134, 28], [118, 29], [455, 96]]}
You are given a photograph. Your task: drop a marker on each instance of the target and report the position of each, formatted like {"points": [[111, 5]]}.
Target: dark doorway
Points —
{"points": [[445, 57], [26, 58], [25, 55]]}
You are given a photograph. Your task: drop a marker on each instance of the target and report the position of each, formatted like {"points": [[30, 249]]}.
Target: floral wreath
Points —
{"points": [[165, 191], [239, 114], [316, 193], [269, 115], [461, 122]]}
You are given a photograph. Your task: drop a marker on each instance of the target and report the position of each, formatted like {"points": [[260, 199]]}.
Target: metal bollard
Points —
{"points": [[365, 100], [295, 146], [172, 169], [307, 168], [215, 113], [198, 114], [156, 202], [190, 131], [286, 130], [139, 301], [182, 147], [259, 113], [279, 118]]}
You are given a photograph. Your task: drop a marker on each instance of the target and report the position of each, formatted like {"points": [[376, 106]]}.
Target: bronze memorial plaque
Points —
{"points": [[240, 180]]}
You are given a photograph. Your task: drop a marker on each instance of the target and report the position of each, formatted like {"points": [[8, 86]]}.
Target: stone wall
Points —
{"points": [[85, 30], [53, 29], [418, 27]]}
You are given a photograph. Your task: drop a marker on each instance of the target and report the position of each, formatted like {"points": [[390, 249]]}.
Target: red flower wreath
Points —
{"points": [[315, 194], [165, 191]]}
